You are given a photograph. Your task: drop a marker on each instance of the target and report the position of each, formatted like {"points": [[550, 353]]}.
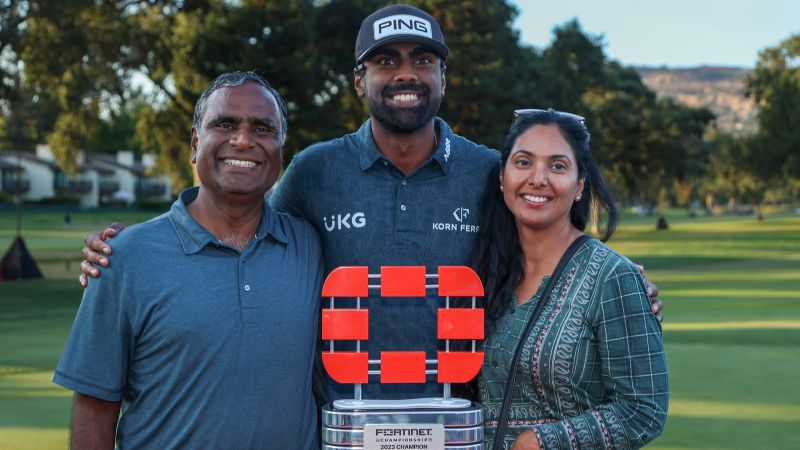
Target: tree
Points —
{"points": [[645, 144], [489, 73], [575, 65], [71, 51], [729, 171], [27, 117], [88, 54], [117, 130], [305, 49], [11, 18], [775, 85]]}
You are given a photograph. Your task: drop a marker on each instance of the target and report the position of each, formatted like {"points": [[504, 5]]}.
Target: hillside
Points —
{"points": [[720, 89]]}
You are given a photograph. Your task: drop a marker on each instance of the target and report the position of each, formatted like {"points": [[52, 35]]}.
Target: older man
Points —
{"points": [[203, 335]]}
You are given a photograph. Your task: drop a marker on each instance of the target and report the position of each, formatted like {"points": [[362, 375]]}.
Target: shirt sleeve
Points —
{"points": [[634, 373], [96, 357], [288, 193]]}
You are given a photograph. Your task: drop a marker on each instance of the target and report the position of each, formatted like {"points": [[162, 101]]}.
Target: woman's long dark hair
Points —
{"points": [[496, 255]]}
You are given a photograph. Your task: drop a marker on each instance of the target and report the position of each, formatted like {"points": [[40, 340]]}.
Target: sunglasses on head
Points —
{"points": [[526, 111]]}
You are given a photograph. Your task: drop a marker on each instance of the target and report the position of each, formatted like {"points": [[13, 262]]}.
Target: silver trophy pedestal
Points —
{"points": [[344, 422]]}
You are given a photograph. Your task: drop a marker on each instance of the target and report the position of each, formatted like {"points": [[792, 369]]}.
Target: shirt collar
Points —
{"points": [[193, 236], [369, 153], [444, 151]]}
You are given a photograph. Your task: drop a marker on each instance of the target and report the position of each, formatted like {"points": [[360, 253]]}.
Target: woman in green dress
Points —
{"points": [[592, 372]]}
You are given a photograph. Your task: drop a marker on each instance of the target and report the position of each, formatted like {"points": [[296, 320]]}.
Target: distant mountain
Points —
{"points": [[720, 89]]}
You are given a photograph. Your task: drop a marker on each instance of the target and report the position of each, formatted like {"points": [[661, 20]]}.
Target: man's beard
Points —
{"points": [[404, 120]]}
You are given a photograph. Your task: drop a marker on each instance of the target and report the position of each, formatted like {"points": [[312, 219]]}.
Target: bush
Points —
{"points": [[153, 205], [71, 200]]}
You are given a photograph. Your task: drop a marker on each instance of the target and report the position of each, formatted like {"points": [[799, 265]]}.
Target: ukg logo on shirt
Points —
{"points": [[345, 221]]}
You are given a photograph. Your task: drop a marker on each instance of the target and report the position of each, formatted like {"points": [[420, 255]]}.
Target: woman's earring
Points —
{"points": [[501, 188], [578, 198]]}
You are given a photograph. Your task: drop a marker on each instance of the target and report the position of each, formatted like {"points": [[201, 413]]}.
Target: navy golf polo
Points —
{"points": [[368, 213], [204, 345]]}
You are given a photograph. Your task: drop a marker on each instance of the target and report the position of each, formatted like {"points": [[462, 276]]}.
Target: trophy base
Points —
{"points": [[352, 424], [408, 404]]}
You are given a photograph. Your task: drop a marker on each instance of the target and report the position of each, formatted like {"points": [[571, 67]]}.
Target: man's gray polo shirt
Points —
{"points": [[368, 213], [205, 346]]}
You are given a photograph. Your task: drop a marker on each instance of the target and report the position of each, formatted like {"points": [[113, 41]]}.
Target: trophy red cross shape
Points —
{"points": [[432, 423], [402, 366], [428, 423]]}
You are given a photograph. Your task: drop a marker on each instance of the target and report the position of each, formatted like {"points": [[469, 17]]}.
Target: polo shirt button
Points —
{"points": [[402, 207], [247, 288], [404, 182], [494, 363]]}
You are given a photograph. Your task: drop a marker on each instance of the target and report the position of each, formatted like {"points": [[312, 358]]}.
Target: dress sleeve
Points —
{"points": [[634, 373], [97, 355]]}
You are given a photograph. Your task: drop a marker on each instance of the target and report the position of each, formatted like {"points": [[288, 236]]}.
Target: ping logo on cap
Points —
{"points": [[401, 24]]}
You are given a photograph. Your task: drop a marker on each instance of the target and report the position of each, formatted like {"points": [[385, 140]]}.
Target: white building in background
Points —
{"points": [[122, 179], [101, 179], [43, 178], [13, 178]]}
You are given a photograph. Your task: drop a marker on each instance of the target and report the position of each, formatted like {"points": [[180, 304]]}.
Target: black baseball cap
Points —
{"points": [[399, 23]]}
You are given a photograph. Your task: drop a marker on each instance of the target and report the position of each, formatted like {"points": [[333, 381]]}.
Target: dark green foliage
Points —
{"points": [[11, 18], [118, 131], [90, 58], [775, 85], [488, 73]]}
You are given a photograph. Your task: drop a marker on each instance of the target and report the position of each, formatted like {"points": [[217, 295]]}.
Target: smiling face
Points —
{"points": [[540, 179], [403, 85], [237, 146]]}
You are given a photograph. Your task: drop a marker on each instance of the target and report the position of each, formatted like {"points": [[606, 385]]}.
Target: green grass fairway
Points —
{"points": [[732, 330], [35, 319]]}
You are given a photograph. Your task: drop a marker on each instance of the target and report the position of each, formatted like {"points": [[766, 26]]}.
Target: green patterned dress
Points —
{"points": [[593, 373]]}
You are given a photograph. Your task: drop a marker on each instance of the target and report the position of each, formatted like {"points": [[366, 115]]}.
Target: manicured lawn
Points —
{"points": [[35, 319], [732, 331]]}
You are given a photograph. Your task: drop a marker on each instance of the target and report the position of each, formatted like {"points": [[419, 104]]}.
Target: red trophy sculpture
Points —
{"points": [[425, 423]]}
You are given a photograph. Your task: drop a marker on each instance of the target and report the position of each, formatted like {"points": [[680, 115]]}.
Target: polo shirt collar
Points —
{"points": [[194, 237], [444, 150], [369, 153]]}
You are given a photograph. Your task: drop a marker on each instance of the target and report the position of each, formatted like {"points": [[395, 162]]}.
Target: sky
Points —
{"points": [[672, 33]]}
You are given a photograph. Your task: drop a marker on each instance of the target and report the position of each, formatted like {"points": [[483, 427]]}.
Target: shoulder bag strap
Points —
{"points": [[502, 421]]}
